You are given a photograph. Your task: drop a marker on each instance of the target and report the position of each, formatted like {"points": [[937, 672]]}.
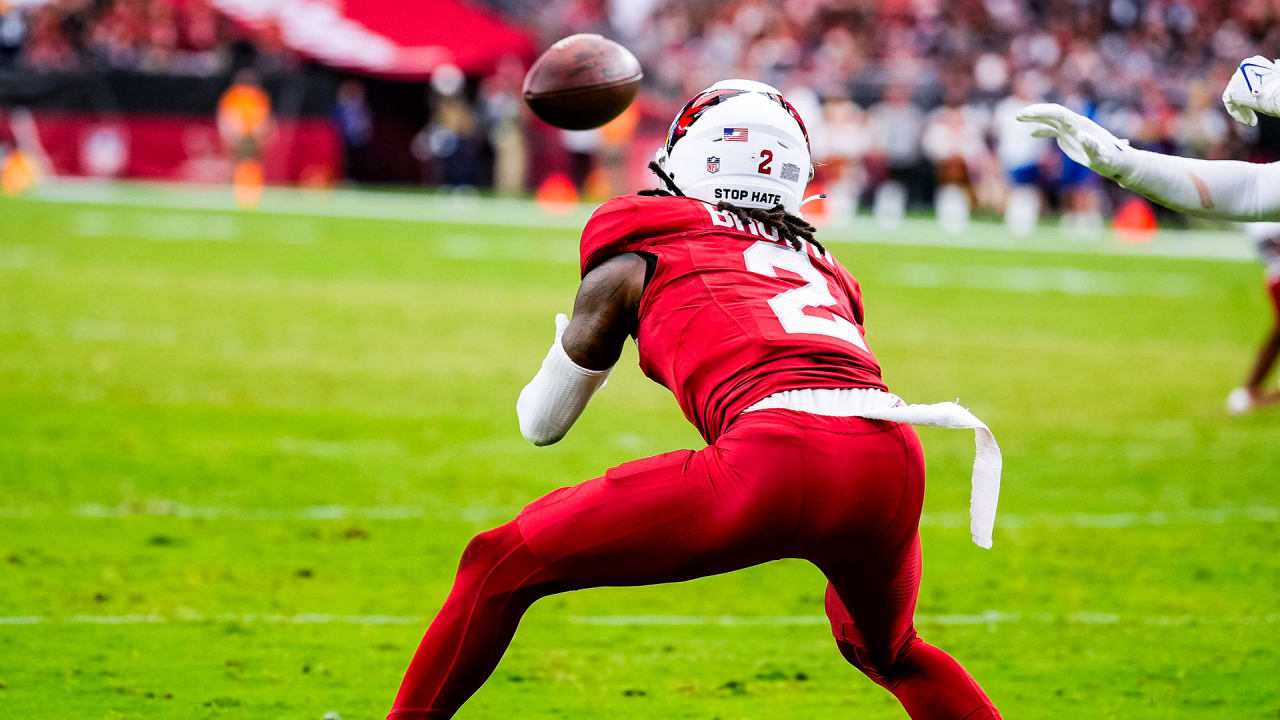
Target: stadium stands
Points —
{"points": [[901, 97]]}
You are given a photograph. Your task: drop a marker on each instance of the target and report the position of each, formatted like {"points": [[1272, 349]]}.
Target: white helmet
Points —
{"points": [[739, 141]]}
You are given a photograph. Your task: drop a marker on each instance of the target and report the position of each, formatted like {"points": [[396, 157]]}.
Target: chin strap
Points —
{"points": [[811, 198]]}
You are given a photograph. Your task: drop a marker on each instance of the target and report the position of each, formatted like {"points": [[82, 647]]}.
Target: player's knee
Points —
{"points": [[488, 548], [882, 665]]}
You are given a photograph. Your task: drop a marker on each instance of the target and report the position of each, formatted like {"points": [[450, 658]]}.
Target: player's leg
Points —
{"points": [[871, 609], [1262, 367], [672, 517], [1252, 394], [1271, 346], [871, 599], [468, 636]]}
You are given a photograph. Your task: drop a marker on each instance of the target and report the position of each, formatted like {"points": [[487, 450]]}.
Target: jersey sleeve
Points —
{"points": [[614, 228], [635, 223], [1218, 189]]}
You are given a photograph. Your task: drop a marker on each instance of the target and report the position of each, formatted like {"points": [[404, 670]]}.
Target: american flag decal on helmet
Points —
{"points": [[735, 134]]}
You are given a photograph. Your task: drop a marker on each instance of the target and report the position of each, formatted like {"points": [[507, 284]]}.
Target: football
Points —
{"points": [[582, 82]]}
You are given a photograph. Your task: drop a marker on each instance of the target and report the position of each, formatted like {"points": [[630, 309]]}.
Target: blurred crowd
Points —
{"points": [[909, 103], [186, 37], [914, 101]]}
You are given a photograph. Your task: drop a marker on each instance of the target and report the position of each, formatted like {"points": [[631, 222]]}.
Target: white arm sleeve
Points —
{"points": [[555, 398], [1223, 189]]}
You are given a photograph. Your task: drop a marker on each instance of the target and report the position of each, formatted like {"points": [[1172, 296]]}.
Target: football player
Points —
{"points": [[1222, 189], [758, 331], [1252, 394]]}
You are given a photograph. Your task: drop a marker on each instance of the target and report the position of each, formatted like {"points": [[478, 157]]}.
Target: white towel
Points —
{"points": [[984, 494]]}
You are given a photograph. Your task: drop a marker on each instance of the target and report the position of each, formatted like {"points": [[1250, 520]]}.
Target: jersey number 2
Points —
{"points": [[766, 258]]}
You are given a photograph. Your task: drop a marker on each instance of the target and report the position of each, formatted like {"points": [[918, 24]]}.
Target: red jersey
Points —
{"points": [[732, 313]]}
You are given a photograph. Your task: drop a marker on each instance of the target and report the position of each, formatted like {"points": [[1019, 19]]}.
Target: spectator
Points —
{"points": [[898, 124], [354, 119], [244, 116], [954, 143], [149, 35], [840, 146], [448, 145], [1139, 63], [47, 48], [582, 146], [1202, 129], [501, 105], [244, 121], [13, 31], [1077, 185], [1020, 154]]}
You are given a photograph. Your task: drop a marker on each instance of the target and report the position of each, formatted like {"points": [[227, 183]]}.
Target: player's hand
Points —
{"points": [[1254, 88], [1082, 139]]}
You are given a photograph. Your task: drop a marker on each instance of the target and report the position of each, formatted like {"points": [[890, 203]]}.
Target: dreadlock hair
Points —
{"points": [[791, 228], [671, 188]]}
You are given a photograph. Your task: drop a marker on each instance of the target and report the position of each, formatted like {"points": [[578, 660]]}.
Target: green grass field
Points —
{"points": [[240, 454]]}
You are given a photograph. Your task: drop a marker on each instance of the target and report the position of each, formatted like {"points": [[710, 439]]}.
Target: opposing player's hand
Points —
{"points": [[1254, 88], [1082, 139]]}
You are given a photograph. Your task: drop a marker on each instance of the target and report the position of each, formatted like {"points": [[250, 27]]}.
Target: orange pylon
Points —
{"points": [[1134, 221], [18, 173], [557, 194], [247, 182]]}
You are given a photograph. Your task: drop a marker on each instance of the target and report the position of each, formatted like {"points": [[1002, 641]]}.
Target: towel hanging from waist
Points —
{"points": [[873, 404]]}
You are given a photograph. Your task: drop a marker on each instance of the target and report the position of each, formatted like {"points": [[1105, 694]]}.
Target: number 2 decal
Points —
{"points": [[766, 258], [766, 158]]}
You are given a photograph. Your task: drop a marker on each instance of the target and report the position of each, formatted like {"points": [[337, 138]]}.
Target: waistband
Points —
{"points": [[831, 402]]}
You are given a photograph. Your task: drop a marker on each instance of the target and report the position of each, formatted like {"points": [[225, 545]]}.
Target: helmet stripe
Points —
{"points": [[693, 110], [706, 100]]}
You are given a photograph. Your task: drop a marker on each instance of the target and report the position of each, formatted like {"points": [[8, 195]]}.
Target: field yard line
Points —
{"points": [[482, 513], [16, 256], [350, 204], [475, 513], [1152, 518], [515, 212], [89, 329], [988, 617], [1037, 280], [985, 618], [161, 228]]}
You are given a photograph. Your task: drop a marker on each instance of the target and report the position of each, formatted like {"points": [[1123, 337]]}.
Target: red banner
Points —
{"points": [[303, 150], [394, 38]]}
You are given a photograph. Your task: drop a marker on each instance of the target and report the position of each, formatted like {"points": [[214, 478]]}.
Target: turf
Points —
{"points": [[240, 454]]}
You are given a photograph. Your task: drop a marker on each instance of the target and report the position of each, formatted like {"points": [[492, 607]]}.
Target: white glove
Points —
{"points": [[1254, 88], [1082, 139]]}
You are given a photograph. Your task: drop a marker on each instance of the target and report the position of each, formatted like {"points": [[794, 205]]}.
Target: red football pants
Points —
{"points": [[842, 493]]}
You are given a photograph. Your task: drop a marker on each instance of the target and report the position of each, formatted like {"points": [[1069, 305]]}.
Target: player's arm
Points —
{"points": [[585, 349], [1222, 189]]}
